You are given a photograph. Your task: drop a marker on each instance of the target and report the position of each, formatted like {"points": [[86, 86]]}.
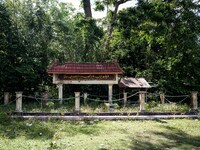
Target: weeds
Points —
{"points": [[96, 107]]}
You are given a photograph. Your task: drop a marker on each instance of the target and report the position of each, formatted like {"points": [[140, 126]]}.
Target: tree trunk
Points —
{"points": [[112, 23], [88, 15], [87, 8]]}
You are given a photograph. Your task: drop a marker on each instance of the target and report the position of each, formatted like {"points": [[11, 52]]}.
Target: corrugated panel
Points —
{"points": [[74, 68], [134, 83]]}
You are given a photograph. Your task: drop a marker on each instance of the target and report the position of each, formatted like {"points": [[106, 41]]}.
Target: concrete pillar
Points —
{"points": [[194, 99], [77, 101], [110, 93], [142, 95], [162, 98], [18, 101], [6, 98], [85, 95], [60, 93], [125, 98]]}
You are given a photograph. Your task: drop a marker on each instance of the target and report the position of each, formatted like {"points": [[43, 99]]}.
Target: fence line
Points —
{"points": [[176, 96], [48, 99], [13, 100], [154, 94], [97, 100], [104, 95], [178, 101], [115, 100], [40, 100]]}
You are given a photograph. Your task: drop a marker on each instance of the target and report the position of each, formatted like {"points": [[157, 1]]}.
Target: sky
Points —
{"points": [[76, 4]]}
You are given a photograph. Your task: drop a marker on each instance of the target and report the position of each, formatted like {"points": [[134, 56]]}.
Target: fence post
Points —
{"points": [[85, 95], [77, 102], [110, 94], [162, 98], [194, 99], [125, 98], [6, 98], [142, 95], [18, 101]]}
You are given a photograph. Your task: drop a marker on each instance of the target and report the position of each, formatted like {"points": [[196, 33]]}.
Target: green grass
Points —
{"points": [[16, 134]]}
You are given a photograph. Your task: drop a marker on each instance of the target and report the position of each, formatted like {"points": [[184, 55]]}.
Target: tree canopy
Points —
{"points": [[155, 39], [160, 41]]}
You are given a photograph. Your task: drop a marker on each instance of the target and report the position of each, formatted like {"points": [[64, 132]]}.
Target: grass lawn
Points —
{"points": [[15, 134], [177, 134]]}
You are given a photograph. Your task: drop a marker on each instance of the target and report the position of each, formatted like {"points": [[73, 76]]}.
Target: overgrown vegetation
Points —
{"points": [[93, 108]]}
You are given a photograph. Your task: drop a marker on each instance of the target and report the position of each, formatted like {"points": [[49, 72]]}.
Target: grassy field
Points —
{"points": [[174, 134]]}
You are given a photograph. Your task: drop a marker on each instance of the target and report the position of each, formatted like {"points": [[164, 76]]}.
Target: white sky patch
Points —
{"points": [[75, 3], [97, 14], [128, 4]]}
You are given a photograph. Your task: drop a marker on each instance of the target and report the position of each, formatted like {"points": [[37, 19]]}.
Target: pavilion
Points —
{"points": [[85, 73]]}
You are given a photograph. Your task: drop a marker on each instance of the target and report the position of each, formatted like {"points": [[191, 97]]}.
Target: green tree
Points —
{"points": [[160, 41], [26, 55], [112, 7], [75, 37]]}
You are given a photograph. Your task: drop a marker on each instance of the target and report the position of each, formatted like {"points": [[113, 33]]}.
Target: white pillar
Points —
{"points": [[194, 100], [60, 93], [6, 98], [77, 101], [110, 93], [85, 95], [125, 98], [18, 101], [142, 95]]}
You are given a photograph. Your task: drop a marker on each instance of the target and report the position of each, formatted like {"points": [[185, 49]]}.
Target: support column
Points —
{"points": [[162, 98], [60, 93], [77, 101], [85, 95], [6, 98], [142, 95], [125, 98], [194, 99], [18, 101], [110, 93]]}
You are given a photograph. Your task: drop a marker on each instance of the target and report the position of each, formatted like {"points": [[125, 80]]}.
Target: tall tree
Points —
{"points": [[112, 7], [91, 33], [26, 55], [112, 20], [87, 8], [154, 39]]}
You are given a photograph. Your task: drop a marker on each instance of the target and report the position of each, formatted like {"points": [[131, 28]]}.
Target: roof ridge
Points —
{"points": [[86, 67]]}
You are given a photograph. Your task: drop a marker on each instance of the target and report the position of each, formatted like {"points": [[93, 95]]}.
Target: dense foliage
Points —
{"points": [[160, 41], [155, 39]]}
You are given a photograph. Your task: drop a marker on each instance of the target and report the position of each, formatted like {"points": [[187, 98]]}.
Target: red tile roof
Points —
{"points": [[86, 68]]}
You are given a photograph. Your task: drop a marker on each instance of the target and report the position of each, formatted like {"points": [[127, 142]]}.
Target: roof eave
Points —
{"points": [[51, 72]]}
